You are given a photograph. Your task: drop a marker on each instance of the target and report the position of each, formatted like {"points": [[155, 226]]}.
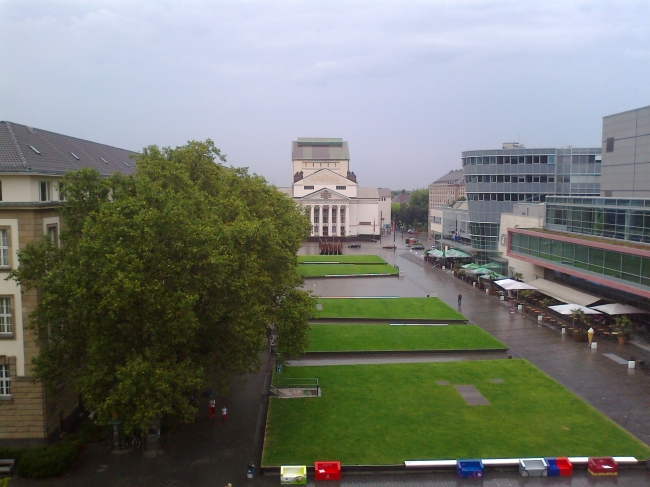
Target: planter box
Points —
{"points": [[533, 467], [293, 474], [559, 467], [466, 469], [327, 471], [602, 466]]}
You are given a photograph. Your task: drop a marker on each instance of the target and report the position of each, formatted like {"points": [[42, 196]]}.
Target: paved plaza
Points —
{"points": [[211, 453]]}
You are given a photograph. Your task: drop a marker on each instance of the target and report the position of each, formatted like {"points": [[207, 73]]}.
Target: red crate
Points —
{"points": [[327, 471], [565, 466], [602, 466]]}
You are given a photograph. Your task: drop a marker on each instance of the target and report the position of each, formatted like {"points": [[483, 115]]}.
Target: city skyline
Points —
{"points": [[409, 85]]}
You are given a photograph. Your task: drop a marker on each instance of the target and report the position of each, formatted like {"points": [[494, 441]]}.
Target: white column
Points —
{"points": [[311, 218], [320, 221], [347, 219], [329, 220]]}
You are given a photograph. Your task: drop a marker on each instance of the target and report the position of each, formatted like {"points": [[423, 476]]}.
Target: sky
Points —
{"points": [[409, 84]]}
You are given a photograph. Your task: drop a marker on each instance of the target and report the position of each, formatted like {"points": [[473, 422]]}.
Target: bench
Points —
{"points": [[7, 466]]}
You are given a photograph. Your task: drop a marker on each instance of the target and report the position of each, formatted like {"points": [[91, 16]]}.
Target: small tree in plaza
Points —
{"points": [[165, 281]]}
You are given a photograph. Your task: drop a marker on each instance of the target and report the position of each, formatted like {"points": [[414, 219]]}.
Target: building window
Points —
{"points": [[334, 230], [610, 145], [5, 380], [342, 187], [53, 234], [342, 231], [44, 191], [4, 247], [0, 190], [315, 231], [309, 187], [6, 324]]}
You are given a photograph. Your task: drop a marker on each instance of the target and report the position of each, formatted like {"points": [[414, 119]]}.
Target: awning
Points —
{"points": [[512, 285], [564, 293], [618, 309]]}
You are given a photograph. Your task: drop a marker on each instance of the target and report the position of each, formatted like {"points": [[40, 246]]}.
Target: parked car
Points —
{"points": [[418, 247], [354, 246]]}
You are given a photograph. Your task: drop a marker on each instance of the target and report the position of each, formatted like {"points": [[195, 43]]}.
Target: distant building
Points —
{"points": [[626, 154], [32, 162], [447, 189], [402, 198], [324, 185]]}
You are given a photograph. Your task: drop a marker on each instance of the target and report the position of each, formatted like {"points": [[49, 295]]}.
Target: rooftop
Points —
{"points": [[26, 149], [319, 149]]}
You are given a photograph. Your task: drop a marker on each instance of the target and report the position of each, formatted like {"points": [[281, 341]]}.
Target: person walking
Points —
{"points": [[460, 299], [213, 405], [224, 413]]}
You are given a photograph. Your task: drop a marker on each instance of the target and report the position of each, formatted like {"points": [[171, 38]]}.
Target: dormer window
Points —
{"points": [[309, 187]]}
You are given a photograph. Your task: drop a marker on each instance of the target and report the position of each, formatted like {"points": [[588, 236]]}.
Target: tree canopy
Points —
{"points": [[165, 282], [415, 213]]}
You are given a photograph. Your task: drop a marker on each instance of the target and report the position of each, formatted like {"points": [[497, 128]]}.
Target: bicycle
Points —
{"points": [[132, 442]]}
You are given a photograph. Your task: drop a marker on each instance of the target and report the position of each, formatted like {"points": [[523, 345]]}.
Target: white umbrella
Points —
{"points": [[618, 309], [567, 309], [511, 284]]}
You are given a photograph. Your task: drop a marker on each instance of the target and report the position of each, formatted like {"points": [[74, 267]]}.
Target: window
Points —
{"points": [[309, 187], [6, 324], [610, 145], [5, 381], [0, 190], [4, 247], [53, 234], [342, 187], [44, 191]]}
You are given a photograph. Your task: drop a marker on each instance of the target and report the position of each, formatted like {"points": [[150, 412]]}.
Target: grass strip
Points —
{"points": [[349, 338], [345, 270], [343, 259], [385, 414], [392, 309]]}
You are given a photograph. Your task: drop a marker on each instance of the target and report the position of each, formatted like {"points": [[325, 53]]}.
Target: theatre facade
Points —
{"points": [[329, 193]]}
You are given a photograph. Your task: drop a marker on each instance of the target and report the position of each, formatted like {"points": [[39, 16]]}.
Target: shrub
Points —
{"points": [[48, 461], [11, 453]]}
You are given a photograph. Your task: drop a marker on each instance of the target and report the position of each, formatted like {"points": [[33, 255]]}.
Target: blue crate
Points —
{"points": [[553, 470], [470, 469]]}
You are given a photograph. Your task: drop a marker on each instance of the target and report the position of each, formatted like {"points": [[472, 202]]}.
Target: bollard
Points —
{"points": [[594, 345], [540, 318], [631, 364], [563, 330]]}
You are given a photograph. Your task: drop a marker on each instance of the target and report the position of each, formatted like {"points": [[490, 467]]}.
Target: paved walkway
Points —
{"points": [[211, 454]]}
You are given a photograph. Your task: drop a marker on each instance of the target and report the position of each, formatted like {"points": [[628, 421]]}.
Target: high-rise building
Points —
{"points": [[447, 189]]}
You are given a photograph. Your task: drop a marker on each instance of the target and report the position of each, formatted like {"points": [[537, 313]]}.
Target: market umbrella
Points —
{"points": [[472, 265], [477, 270], [618, 309], [456, 254], [492, 265], [568, 309], [436, 253], [493, 276], [512, 285]]}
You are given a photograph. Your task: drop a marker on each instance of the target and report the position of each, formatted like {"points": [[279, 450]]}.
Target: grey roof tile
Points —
{"points": [[56, 152]]}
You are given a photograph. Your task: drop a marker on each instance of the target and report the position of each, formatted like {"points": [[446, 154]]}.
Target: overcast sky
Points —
{"points": [[410, 85]]}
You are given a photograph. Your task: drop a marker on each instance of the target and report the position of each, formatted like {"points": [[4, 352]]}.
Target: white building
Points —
{"points": [[324, 185]]}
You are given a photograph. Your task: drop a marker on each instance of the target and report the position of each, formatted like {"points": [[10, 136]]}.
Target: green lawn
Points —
{"points": [[320, 270], [388, 309], [346, 338], [385, 414], [343, 259]]}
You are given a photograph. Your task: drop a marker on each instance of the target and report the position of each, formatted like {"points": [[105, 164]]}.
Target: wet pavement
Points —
{"points": [[210, 453]]}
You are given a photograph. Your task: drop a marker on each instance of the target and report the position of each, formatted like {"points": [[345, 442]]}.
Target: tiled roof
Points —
{"points": [[56, 153], [317, 149], [384, 193], [452, 177], [402, 198]]}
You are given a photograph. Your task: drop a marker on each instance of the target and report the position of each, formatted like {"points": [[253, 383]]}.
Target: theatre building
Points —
{"points": [[328, 190]]}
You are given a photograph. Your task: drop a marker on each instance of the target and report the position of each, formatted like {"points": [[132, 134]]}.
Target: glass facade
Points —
{"points": [[497, 179], [629, 268], [618, 218]]}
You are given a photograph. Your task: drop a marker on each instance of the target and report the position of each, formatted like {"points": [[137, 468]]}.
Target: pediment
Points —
{"points": [[324, 195], [327, 176]]}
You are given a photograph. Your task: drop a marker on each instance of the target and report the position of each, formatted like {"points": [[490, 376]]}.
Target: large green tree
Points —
{"points": [[415, 213], [165, 282]]}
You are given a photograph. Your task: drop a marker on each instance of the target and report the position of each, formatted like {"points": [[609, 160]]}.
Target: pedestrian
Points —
{"points": [[224, 413], [460, 299], [213, 405]]}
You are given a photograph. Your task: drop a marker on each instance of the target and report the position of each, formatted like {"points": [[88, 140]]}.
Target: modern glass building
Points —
{"points": [[617, 218], [497, 179]]}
